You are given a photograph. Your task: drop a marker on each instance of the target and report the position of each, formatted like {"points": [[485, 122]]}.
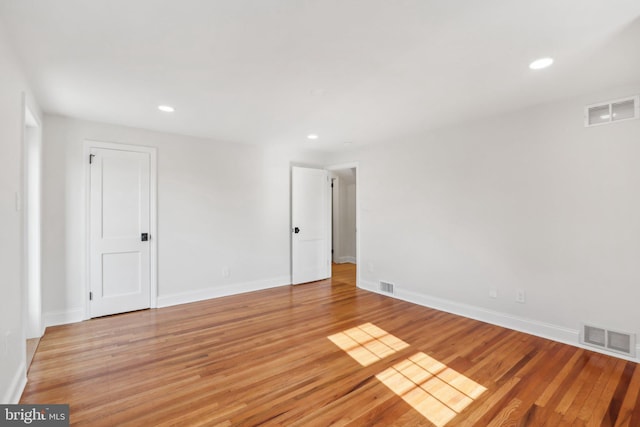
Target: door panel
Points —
{"points": [[310, 214], [121, 274], [121, 182], [119, 214]]}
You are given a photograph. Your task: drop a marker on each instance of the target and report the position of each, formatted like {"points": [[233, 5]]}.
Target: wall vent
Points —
{"points": [[620, 342], [612, 111], [595, 336], [386, 287]]}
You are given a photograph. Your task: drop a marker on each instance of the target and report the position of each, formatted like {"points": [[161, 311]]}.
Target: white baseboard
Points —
{"points": [[346, 259], [54, 318], [223, 291], [18, 383], [77, 315], [509, 321]]}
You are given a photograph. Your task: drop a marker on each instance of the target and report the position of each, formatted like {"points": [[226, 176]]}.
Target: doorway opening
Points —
{"points": [[32, 190], [324, 234], [344, 220]]}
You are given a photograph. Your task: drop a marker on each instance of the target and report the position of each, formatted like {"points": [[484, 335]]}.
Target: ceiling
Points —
{"points": [[351, 71]]}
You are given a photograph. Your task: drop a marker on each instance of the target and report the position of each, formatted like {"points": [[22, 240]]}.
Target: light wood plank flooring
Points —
{"points": [[320, 354]]}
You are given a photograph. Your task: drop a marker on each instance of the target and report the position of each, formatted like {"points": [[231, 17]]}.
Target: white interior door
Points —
{"points": [[311, 225], [119, 219]]}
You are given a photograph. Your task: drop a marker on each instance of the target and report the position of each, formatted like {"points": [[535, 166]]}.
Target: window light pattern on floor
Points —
{"points": [[438, 392], [433, 389], [367, 343]]}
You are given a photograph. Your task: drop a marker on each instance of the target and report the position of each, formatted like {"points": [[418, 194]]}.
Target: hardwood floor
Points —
{"points": [[319, 354], [32, 345]]}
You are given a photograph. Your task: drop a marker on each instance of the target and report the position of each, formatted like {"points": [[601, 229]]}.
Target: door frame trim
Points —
{"points": [[153, 213], [34, 325]]}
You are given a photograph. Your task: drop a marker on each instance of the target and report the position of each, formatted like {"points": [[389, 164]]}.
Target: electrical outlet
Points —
{"points": [[370, 266], [521, 296], [226, 272], [493, 293]]}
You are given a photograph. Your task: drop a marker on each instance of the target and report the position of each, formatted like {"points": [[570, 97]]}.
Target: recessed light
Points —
{"points": [[166, 108], [541, 63], [312, 136]]}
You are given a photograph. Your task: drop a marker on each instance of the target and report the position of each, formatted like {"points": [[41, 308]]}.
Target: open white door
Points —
{"points": [[119, 231], [311, 225]]}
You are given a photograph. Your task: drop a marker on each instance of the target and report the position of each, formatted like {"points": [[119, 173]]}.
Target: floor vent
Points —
{"points": [[620, 342], [386, 287]]}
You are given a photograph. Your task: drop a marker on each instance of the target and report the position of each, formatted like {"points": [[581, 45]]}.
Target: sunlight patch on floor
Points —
{"points": [[433, 389], [367, 343]]}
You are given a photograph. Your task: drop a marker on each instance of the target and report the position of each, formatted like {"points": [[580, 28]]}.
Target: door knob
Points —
{"points": [[296, 230], [144, 237]]}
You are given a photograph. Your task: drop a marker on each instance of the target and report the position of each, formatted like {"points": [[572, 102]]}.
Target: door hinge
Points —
{"points": [[90, 296], [91, 156]]}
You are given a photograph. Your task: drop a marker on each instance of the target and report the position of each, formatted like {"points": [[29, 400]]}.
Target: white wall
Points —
{"points": [[348, 223], [13, 87], [220, 206], [529, 200]]}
